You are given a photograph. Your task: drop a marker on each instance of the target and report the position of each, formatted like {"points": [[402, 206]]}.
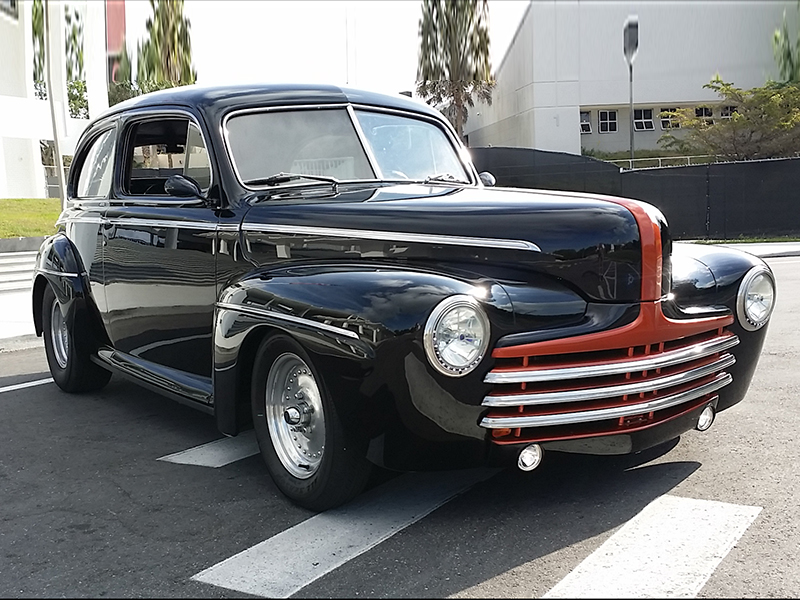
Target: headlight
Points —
{"points": [[456, 335], [756, 298]]}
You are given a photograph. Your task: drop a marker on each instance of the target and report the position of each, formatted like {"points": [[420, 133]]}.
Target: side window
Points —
{"points": [[164, 147], [96, 172]]}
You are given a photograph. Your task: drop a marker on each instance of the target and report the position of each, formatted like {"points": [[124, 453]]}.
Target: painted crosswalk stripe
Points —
{"points": [[669, 550], [217, 453], [27, 384], [290, 560]]}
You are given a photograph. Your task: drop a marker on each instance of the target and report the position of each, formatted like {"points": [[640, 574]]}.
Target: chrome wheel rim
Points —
{"points": [[59, 335], [295, 419]]}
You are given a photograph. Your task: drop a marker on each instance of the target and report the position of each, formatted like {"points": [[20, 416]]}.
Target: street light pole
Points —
{"points": [[630, 44], [630, 105], [48, 57]]}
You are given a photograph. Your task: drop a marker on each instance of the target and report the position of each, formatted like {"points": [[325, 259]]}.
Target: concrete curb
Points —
{"points": [[21, 244], [23, 342]]}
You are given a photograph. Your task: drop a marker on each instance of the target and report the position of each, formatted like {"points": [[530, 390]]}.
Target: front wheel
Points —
{"points": [[69, 362], [301, 438]]}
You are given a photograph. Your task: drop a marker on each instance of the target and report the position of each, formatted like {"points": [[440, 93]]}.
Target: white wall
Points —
{"points": [[12, 49], [26, 118], [567, 56]]}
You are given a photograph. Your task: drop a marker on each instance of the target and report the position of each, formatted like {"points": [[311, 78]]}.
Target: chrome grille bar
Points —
{"points": [[597, 393], [647, 363], [587, 416]]}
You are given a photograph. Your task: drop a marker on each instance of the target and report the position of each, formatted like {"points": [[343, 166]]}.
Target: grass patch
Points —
{"points": [[28, 217]]}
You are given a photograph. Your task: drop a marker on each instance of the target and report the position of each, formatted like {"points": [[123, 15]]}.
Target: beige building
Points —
{"points": [[563, 84]]}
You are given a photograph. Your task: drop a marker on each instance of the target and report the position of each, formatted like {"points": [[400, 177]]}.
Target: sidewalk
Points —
{"points": [[17, 331]]}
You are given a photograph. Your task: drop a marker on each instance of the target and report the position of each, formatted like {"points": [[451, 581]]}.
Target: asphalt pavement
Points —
{"points": [[121, 493]]}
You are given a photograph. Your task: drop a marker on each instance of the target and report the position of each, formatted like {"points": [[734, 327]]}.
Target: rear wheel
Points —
{"points": [[69, 361], [306, 449]]}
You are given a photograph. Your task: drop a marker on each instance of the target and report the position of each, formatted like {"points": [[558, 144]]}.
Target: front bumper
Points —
{"points": [[609, 384]]}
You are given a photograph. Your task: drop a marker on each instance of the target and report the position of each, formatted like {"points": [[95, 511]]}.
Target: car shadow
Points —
{"points": [[507, 521]]}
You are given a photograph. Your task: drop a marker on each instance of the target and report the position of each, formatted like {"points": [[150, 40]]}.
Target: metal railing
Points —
{"points": [[666, 161], [51, 181]]}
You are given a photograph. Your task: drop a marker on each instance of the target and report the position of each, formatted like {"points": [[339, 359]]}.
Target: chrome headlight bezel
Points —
{"points": [[745, 319], [434, 321]]}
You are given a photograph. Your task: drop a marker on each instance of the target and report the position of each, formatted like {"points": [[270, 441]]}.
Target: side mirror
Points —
{"points": [[181, 186], [487, 179]]}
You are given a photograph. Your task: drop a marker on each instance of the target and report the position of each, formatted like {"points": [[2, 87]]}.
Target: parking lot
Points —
{"points": [[88, 509]]}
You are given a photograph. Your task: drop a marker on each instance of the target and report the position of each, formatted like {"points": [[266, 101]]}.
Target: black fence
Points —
{"points": [[719, 200]]}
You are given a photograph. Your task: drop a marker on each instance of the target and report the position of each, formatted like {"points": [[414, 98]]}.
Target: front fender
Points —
{"points": [[363, 328], [707, 278]]}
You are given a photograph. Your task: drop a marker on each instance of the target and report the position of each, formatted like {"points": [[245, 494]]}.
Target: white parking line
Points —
{"points": [[669, 550], [27, 384], [217, 453], [290, 560]]}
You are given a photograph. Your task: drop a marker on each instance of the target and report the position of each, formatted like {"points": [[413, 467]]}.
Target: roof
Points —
{"points": [[221, 98]]}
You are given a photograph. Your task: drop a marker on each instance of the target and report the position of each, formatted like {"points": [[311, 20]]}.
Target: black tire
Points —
{"points": [[342, 470], [69, 361]]}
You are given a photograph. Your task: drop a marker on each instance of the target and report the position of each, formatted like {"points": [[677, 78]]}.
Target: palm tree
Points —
{"points": [[454, 64], [787, 55], [37, 31], [165, 58]]}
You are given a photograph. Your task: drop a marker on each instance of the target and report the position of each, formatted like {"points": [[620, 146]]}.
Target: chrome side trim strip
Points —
{"points": [[58, 273], [598, 393], [588, 416], [666, 359], [134, 221], [260, 312], [394, 236], [86, 220]]}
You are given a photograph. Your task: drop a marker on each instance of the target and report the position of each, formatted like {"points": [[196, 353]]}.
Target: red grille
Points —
{"points": [[623, 380]]}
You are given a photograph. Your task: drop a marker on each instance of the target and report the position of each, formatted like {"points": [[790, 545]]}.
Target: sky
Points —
{"points": [[363, 44]]}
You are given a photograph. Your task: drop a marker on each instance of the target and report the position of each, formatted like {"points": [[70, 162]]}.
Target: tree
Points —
{"points": [[164, 59], [73, 52], [166, 55], [73, 44], [787, 55], [37, 33], [764, 122], [454, 64]]}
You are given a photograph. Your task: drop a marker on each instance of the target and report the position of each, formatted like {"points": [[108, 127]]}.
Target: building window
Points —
{"points": [[643, 119], [607, 120], [10, 7], [586, 121], [705, 113], [727, 112], [669, 122]]}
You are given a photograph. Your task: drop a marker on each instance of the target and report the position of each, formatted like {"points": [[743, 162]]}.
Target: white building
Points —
{"points": [[563, 84], [25, 118]]}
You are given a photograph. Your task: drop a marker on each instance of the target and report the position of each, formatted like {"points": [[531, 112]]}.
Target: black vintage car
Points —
{"points": [[326, 266]]}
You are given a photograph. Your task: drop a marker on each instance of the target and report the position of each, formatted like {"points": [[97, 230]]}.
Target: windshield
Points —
{"points": [[408, 148], [325, 143]]}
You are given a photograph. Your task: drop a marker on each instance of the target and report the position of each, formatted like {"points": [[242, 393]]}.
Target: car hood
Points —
{"points": [[591, 244]]}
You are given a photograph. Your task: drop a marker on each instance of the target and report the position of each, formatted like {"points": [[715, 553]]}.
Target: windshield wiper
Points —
{"points": [[447, 177], [280, 178]]}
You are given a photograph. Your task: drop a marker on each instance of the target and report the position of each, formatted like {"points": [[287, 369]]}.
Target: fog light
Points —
{"points": [[530, 457], [706, 418]]}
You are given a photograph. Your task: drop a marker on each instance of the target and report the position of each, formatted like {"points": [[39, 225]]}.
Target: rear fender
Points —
{"points": [[58, 265]]}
